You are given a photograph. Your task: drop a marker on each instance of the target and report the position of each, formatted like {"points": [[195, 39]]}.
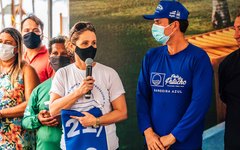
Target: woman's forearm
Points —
{"points": [[16, 111], [112, 117], [58, 103], [119, 112]]}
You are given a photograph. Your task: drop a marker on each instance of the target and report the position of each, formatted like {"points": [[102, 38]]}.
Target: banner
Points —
{"points": [[78, 137]]}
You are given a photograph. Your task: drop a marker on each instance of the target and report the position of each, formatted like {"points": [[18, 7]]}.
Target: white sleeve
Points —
{"points": [[115, 86], [58, 83]]}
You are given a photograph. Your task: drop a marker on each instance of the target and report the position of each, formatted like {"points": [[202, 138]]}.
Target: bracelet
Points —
{"points": [[97, 124]]}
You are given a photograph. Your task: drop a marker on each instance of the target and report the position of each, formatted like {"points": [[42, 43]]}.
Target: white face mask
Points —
{"points": [[6, 52]]}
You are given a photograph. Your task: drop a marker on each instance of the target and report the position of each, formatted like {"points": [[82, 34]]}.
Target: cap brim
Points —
{"points": [[149, 17]]}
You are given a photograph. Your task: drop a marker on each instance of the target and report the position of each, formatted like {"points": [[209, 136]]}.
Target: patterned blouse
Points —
{"points": [[12, 136]]}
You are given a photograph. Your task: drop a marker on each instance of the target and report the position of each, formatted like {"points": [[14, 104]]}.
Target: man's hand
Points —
{"points": [[167, 140], [153, 140], [45, 118]]}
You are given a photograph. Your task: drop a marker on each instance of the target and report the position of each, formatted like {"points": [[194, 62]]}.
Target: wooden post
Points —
{"points": [[3, 22], [33, 7], [13, 14], [20, 12], [49, 19], [61, 24]]}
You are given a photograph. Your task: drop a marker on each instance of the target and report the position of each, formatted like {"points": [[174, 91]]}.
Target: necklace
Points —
{"points": [[6, 72]]}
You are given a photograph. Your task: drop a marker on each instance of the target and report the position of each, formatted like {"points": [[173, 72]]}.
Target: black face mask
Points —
{"points": [[59, 62], [31, 40], [85, 53]]}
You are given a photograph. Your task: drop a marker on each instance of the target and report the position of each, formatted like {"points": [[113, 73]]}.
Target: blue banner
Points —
{"points": [[78, 137]]}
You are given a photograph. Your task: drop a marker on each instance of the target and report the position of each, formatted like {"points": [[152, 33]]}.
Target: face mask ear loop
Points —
{"points": [[75, 47], [172, 31], [166, 27]]}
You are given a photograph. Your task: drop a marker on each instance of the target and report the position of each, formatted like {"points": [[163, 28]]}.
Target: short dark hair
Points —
{"points": [[183, 24], [78, 28], [35, 19], [58, 39]]}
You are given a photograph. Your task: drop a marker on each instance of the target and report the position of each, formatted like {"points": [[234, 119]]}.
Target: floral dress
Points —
{"points": [[12, 136]]}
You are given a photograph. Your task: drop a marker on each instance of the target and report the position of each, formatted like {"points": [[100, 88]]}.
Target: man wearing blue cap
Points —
{"points": [[175, 84]]}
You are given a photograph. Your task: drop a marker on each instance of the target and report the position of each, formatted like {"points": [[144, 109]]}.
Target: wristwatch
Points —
{"points": [[97, 124]]}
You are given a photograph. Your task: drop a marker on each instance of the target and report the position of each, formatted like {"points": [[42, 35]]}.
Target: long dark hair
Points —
{"points": [[17, 65]]}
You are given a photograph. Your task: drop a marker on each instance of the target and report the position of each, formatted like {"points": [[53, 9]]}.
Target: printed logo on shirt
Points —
{"points": [[97, 99], [172, 84], [157, 79], [175, 81]]}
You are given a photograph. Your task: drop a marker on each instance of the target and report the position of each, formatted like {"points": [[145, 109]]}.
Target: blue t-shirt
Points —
{"points": [[174, 93]]}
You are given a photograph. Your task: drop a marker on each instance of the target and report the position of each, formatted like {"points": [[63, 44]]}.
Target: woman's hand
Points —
{"points": [[87, 121], [86, 85], [57, 102]]}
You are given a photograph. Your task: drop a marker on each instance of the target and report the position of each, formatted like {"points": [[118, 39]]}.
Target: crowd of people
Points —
{"points": [[39, 85], [42, 89]]}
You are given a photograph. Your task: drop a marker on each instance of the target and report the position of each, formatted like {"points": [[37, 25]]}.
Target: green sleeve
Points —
{"points": [[30, 119]]}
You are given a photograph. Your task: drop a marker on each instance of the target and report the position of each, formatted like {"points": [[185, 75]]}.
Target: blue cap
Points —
{"points": [[169, 9]]}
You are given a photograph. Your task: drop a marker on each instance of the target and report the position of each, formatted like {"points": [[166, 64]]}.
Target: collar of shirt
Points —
{"points": [[42, 50]]}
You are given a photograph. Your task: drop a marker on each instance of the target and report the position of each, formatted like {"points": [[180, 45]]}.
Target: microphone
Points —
{"points": [[88, 63]]}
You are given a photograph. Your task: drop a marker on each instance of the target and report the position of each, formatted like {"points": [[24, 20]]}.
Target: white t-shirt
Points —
{"points": [[107, 87]]}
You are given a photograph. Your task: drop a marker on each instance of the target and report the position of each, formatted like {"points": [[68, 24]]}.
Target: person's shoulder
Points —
{"points": [[66, 68], [43, 48], [46, 82], [106, 71], [26, 67], [28, 71], [44, 85], [234, 54], [103, 67], [232, 57], [197, 52], [156, 50], [63, 72]]}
